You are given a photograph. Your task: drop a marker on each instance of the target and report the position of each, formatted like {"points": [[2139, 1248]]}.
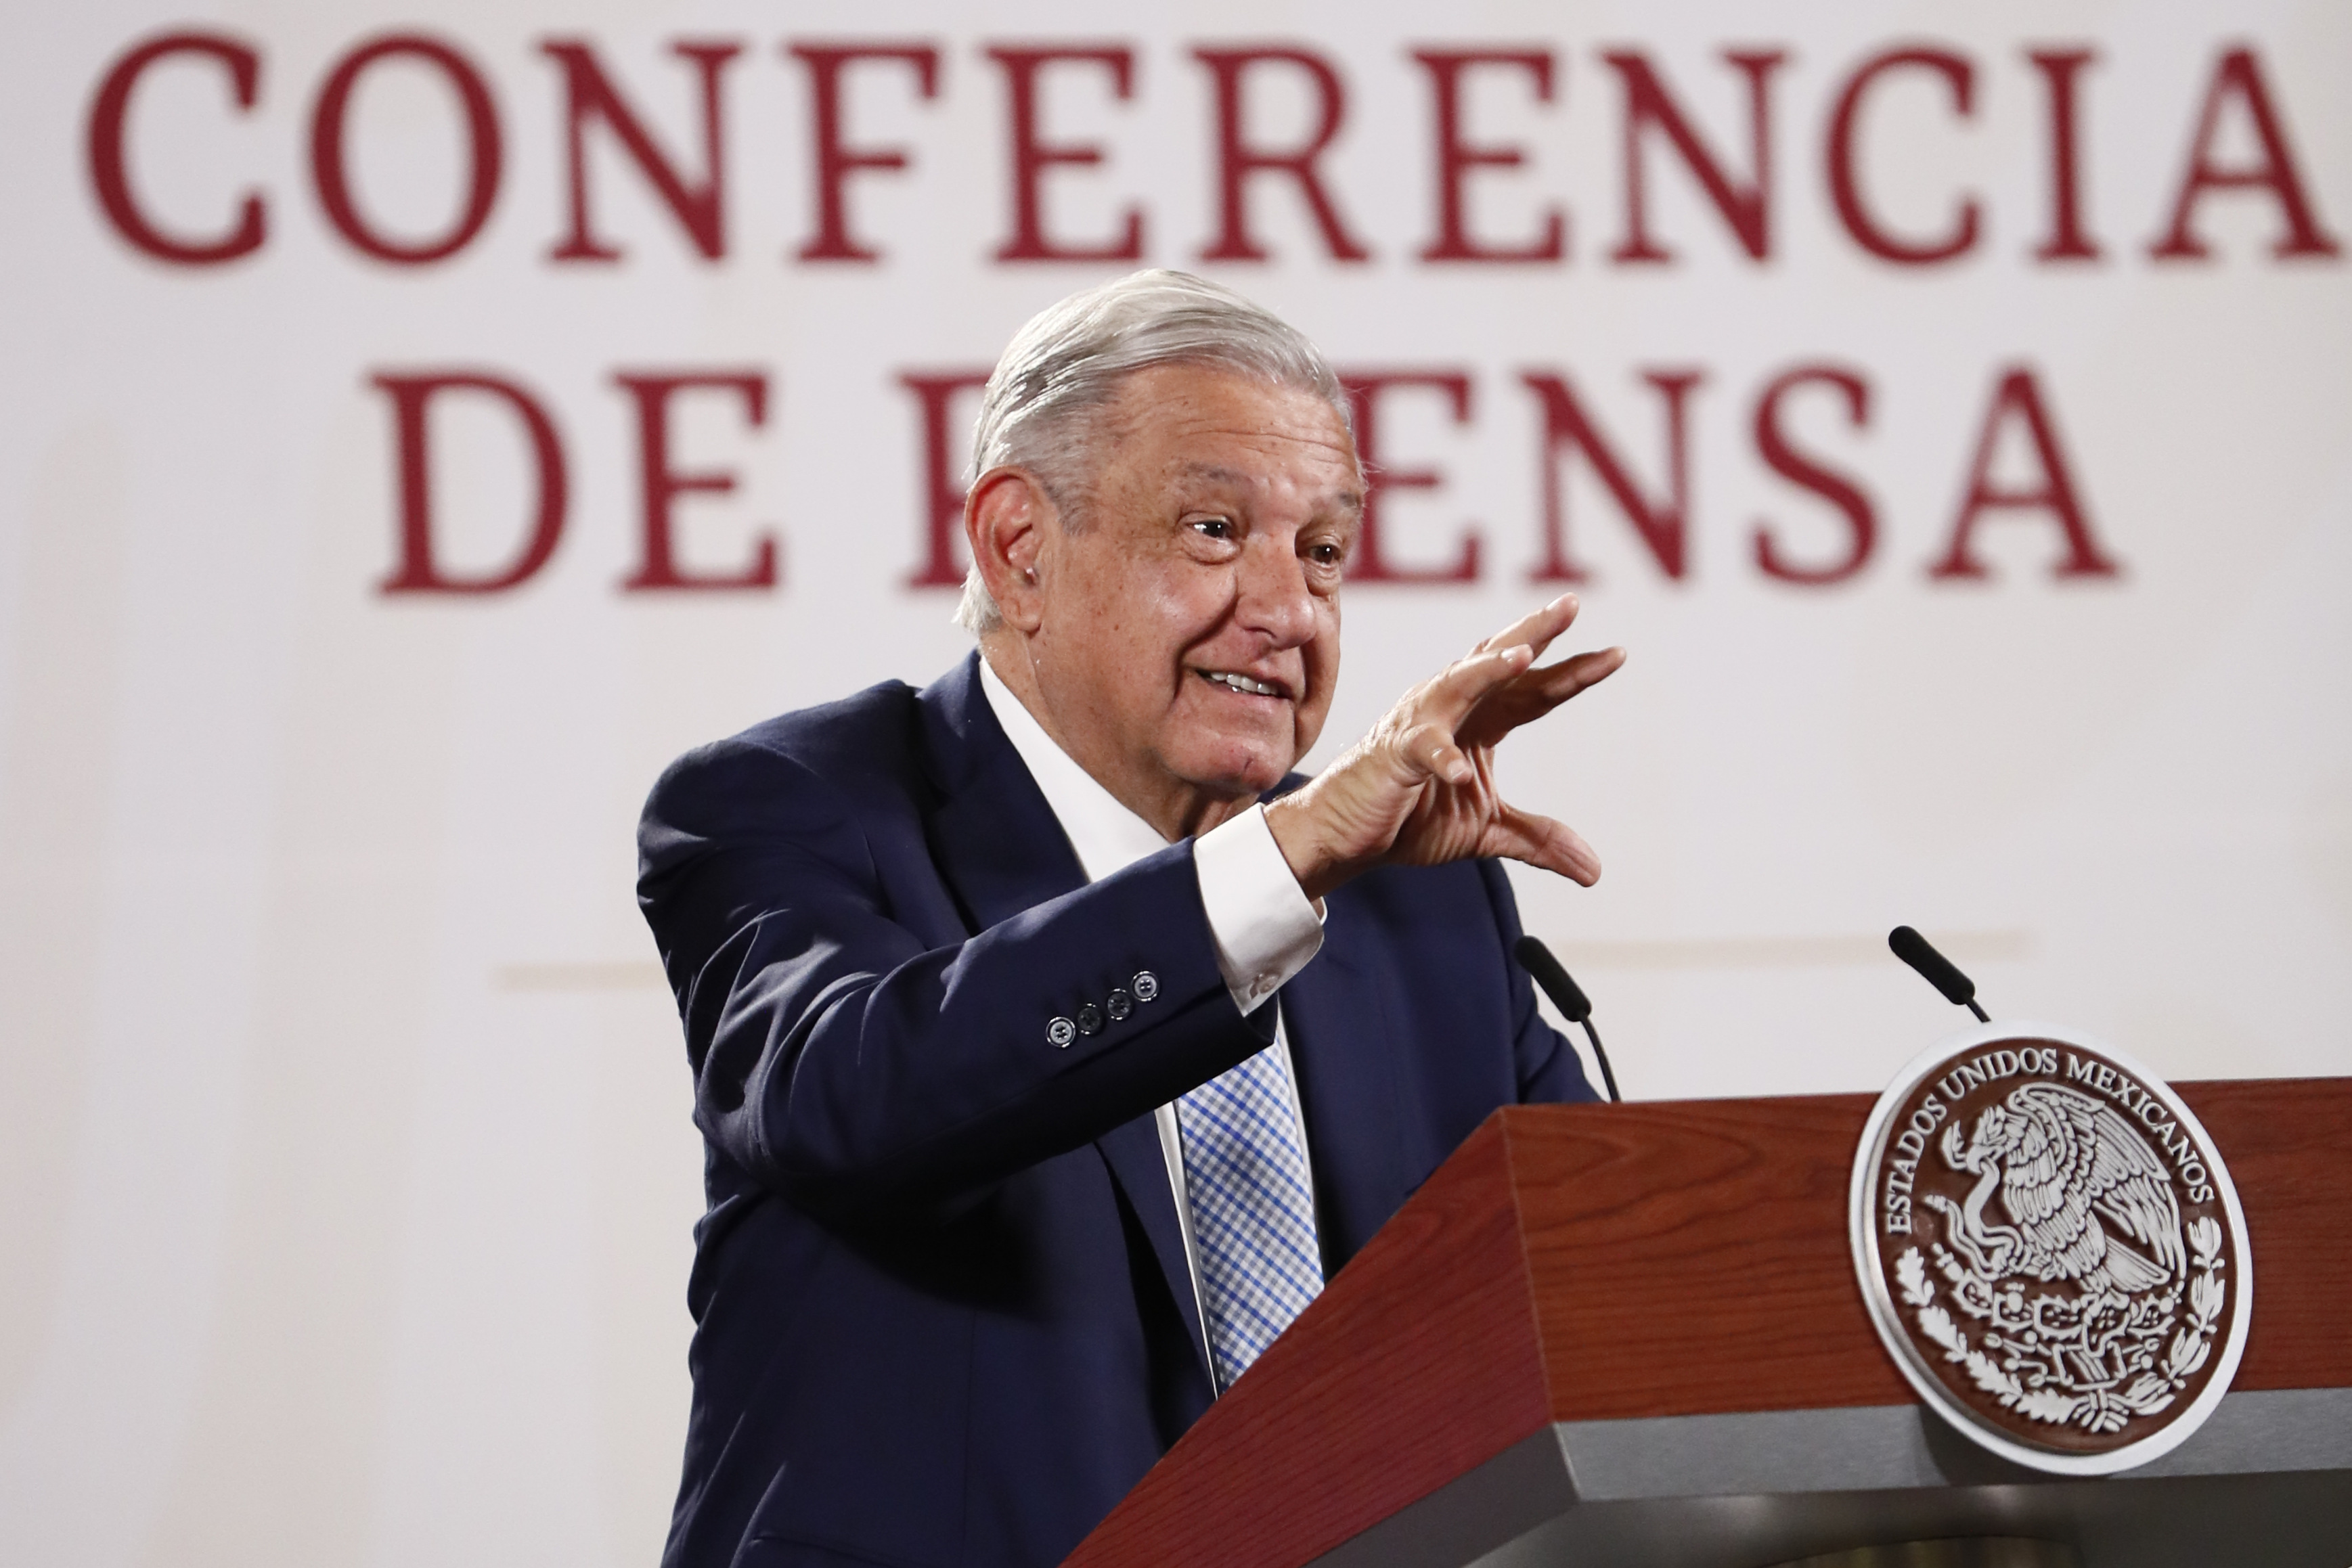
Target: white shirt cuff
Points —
{"points": [[1263, 926]]}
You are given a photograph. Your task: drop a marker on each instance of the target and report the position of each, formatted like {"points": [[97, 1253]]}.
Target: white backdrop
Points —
{"points": [[345, 1172]]}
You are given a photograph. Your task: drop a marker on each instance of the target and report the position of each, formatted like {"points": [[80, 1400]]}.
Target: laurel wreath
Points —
{"points": [[2099, 1410]]}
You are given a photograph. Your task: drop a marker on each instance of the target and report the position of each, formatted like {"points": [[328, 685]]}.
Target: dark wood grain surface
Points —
{"points": [[2288, 1144], [1690, 1256], [1681, 1258], [1703, 1242]]}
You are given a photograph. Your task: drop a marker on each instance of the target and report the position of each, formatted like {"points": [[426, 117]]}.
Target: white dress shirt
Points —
{"points": [[1262, 923]]}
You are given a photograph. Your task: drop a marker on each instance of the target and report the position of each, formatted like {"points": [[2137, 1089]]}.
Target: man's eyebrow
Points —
{"points": [[1348, 500]]}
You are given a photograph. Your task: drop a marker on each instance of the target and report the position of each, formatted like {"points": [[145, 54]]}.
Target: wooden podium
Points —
{"points": [[1606, 1334]]}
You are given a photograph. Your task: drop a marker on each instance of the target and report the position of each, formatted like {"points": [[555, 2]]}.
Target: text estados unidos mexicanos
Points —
{"points": [[2034, 1061]]}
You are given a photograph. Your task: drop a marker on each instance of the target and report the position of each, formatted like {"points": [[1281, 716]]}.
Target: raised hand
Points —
{"points": [[1419, 789]]}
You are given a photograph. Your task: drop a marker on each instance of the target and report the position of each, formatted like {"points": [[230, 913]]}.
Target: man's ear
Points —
{"points": [[1009, 523]]}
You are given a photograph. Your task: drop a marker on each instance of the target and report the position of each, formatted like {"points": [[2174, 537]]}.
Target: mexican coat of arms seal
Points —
{"points": [[2051, 1249]]}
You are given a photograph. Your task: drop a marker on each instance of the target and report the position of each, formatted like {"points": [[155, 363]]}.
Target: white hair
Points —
{"points": [[1038, 409]]}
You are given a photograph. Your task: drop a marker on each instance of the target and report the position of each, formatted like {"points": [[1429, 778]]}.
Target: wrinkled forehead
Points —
{"points": [[1211, 425]]}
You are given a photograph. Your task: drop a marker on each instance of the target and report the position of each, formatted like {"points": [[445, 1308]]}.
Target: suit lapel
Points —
{"points": [[992, 836], [1141, 1166], [1001, 851]]}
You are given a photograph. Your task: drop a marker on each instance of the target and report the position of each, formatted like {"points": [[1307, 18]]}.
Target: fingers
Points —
{"points": [[1535, 693], [1430, 749], [1554, 684], [1540, 841], [1558, 682], [1493, 691], [1448, 699], [1537, 629]]}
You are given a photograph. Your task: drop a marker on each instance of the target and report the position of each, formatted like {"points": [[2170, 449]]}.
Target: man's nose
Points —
{"points": [[1273, 597]]}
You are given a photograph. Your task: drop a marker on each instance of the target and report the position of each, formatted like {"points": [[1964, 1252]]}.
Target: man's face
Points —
{"points": [[1189, 641]]}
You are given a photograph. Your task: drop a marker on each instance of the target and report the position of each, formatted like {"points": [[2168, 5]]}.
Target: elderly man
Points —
{"points": [[1051, 1041]]}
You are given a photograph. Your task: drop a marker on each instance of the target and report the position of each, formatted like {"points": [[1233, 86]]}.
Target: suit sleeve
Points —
{"points": [[1548, 1067], [841, 1060]]}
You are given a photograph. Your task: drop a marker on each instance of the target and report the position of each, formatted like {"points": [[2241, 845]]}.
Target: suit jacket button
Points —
{"points": [[1060, 1032], [1118, 1004], [1146, 985], [1090, 1020]]}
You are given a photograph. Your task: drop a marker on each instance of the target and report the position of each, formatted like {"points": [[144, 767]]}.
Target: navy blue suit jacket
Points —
{"points": [[942, 1310]]}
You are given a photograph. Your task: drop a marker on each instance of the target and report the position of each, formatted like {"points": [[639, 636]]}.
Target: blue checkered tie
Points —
{"points": [[1252, 1211]]}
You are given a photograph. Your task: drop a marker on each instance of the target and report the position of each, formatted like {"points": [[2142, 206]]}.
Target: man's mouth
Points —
{"points": [[1233, 681]]}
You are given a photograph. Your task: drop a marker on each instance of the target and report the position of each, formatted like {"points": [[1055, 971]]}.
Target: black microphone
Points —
{"points": [[1573, 1004], [1936, 969]]}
